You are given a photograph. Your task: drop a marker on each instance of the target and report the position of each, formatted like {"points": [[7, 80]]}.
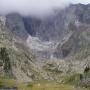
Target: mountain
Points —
{"points": [[15, 23], [16, 59], [50, 32], [51, 48]]}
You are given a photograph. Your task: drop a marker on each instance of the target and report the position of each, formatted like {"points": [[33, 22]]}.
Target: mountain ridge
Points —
{"points": [[48, 49]]}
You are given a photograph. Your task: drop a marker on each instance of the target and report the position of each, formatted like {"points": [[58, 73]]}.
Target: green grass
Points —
{"points": [[12, 83], [37, 85], [73, 79], [52, 85]]}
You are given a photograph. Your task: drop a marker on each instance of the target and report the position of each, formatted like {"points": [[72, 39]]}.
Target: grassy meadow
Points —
{"points": [[37, 85]]}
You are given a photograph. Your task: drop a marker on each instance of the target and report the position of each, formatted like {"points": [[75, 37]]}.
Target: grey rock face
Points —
{"points": [[16, 59], [65, 35], [15, 23], [52, 29]]}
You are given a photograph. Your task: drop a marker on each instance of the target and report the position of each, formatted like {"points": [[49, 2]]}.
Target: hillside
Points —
{"points": [[17, 60], [55, 48]]}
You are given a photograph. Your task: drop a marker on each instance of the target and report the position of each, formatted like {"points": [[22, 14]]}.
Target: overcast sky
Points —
{"points": [[34, 7]]}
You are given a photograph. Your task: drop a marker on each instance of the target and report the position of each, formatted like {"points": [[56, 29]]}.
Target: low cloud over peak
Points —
{"points": [[34, 7]]}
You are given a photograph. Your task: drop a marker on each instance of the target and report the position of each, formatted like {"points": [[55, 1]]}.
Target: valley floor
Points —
{"points": [[38, 85]]}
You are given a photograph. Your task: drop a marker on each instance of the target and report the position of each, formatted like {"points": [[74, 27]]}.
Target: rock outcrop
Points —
{"points": [[16, 59]]}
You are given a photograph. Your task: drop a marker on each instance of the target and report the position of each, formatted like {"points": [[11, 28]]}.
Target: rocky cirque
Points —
{"points": [[36, 49]]}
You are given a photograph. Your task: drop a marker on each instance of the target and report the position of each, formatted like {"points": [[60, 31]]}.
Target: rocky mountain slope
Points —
{"points": [[49, 48], [16, 59], [52, 31]]}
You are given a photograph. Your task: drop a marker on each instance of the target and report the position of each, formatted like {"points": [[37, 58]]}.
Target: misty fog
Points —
{"points": [[35, 7]]}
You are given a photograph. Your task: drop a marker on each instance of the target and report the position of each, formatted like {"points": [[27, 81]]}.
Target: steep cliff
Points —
{"points": [[16, 59], [54, 30]]}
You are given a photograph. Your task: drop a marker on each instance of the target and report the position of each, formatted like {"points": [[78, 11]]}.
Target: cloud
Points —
{"points": [[81, 1], [34, 7]]}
